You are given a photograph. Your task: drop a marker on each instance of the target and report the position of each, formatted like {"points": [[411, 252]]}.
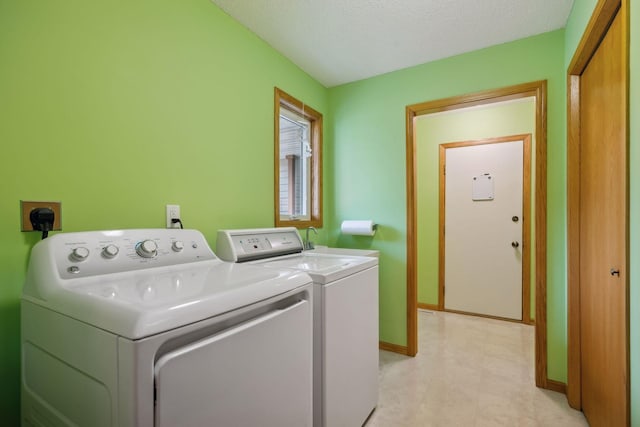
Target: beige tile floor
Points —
{"points": [[469, 371]]}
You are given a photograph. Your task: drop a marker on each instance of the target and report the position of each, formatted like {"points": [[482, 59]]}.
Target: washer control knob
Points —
{"points": [[79, 254], [177, 246], [110, 251], [147, 249]]}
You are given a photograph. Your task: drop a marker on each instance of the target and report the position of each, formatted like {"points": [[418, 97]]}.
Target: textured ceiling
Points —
{"points": [[340, 41]]}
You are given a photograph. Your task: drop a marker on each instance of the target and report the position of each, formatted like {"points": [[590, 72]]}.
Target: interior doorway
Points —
{"points": [[537, 90]]}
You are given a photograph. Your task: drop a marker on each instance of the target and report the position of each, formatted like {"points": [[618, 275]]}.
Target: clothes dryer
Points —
{"points": [[149, 328]]}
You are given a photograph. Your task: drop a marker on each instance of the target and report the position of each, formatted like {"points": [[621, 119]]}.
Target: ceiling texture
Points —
{"points": [[341, 41]]}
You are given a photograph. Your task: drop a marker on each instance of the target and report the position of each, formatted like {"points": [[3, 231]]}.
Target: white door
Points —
{"points": [[483, 229]]}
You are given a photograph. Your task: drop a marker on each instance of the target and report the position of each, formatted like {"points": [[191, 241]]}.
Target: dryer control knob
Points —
{"points": [[177, 246], [80, 253], [147, 249], [110, 251]]}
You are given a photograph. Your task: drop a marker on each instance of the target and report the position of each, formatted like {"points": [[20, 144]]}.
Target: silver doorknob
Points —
{"points": [[515, 244]]}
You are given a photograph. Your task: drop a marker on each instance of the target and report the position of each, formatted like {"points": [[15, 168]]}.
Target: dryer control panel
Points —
{"points": [[86, 254]]}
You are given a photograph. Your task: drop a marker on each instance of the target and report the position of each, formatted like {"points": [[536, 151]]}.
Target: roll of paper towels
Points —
{"points": [[359, 228]]}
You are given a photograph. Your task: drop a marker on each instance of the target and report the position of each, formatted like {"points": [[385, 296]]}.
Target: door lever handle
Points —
{"points": [[615, 272]]}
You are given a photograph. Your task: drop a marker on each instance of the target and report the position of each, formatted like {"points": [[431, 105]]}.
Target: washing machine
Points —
{"points": [[345, 294], [149, 328]]}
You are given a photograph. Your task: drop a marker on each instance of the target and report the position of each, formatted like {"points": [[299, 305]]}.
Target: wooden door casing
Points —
{"points": [[537, 90]]}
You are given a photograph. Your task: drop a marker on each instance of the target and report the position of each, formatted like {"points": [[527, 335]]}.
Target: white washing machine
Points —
{"points": [[150, 328], [345, 293]]}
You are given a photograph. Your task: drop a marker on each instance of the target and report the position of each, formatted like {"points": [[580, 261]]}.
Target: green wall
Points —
{"points": [[431, 130], [368, 154], [118, 108], [578, 20]]}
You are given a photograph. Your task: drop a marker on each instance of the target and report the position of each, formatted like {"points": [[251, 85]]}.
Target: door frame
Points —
{"points": [[526, 225], [602, 17], [538, 90]]}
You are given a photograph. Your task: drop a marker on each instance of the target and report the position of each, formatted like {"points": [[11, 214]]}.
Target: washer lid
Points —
{"points": [[143, 303], [323, 268]]}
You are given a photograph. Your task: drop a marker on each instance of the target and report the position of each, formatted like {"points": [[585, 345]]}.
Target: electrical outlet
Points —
{"points": [[26, 207], [173, 212]]}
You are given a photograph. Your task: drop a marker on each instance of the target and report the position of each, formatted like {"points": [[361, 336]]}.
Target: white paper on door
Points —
{"points": [[482, 187]]}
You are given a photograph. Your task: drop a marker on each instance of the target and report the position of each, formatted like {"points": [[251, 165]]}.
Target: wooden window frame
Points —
{"points": [[283, 99]]}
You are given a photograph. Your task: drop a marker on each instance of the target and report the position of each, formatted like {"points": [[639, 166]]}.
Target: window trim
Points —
{"points": [[283, 99]]}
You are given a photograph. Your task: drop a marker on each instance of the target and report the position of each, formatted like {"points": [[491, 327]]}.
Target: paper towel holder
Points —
{"points": [[359, 227]]}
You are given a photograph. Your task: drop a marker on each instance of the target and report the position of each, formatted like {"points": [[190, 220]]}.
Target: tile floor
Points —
{"points": [[469, 371]]}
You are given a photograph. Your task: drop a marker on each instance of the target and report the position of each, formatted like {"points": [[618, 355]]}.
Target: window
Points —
{"points": [[298, 163]]}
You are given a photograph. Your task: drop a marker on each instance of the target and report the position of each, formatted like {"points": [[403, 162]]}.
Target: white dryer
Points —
{"points": [[150, 328], [345, 293]]}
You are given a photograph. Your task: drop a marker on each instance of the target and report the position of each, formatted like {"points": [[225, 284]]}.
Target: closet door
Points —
{"points": [[603, 230]]}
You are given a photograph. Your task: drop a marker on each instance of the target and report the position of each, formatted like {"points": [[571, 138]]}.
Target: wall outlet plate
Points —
{"points": [[27, 206], [173, 212]]}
